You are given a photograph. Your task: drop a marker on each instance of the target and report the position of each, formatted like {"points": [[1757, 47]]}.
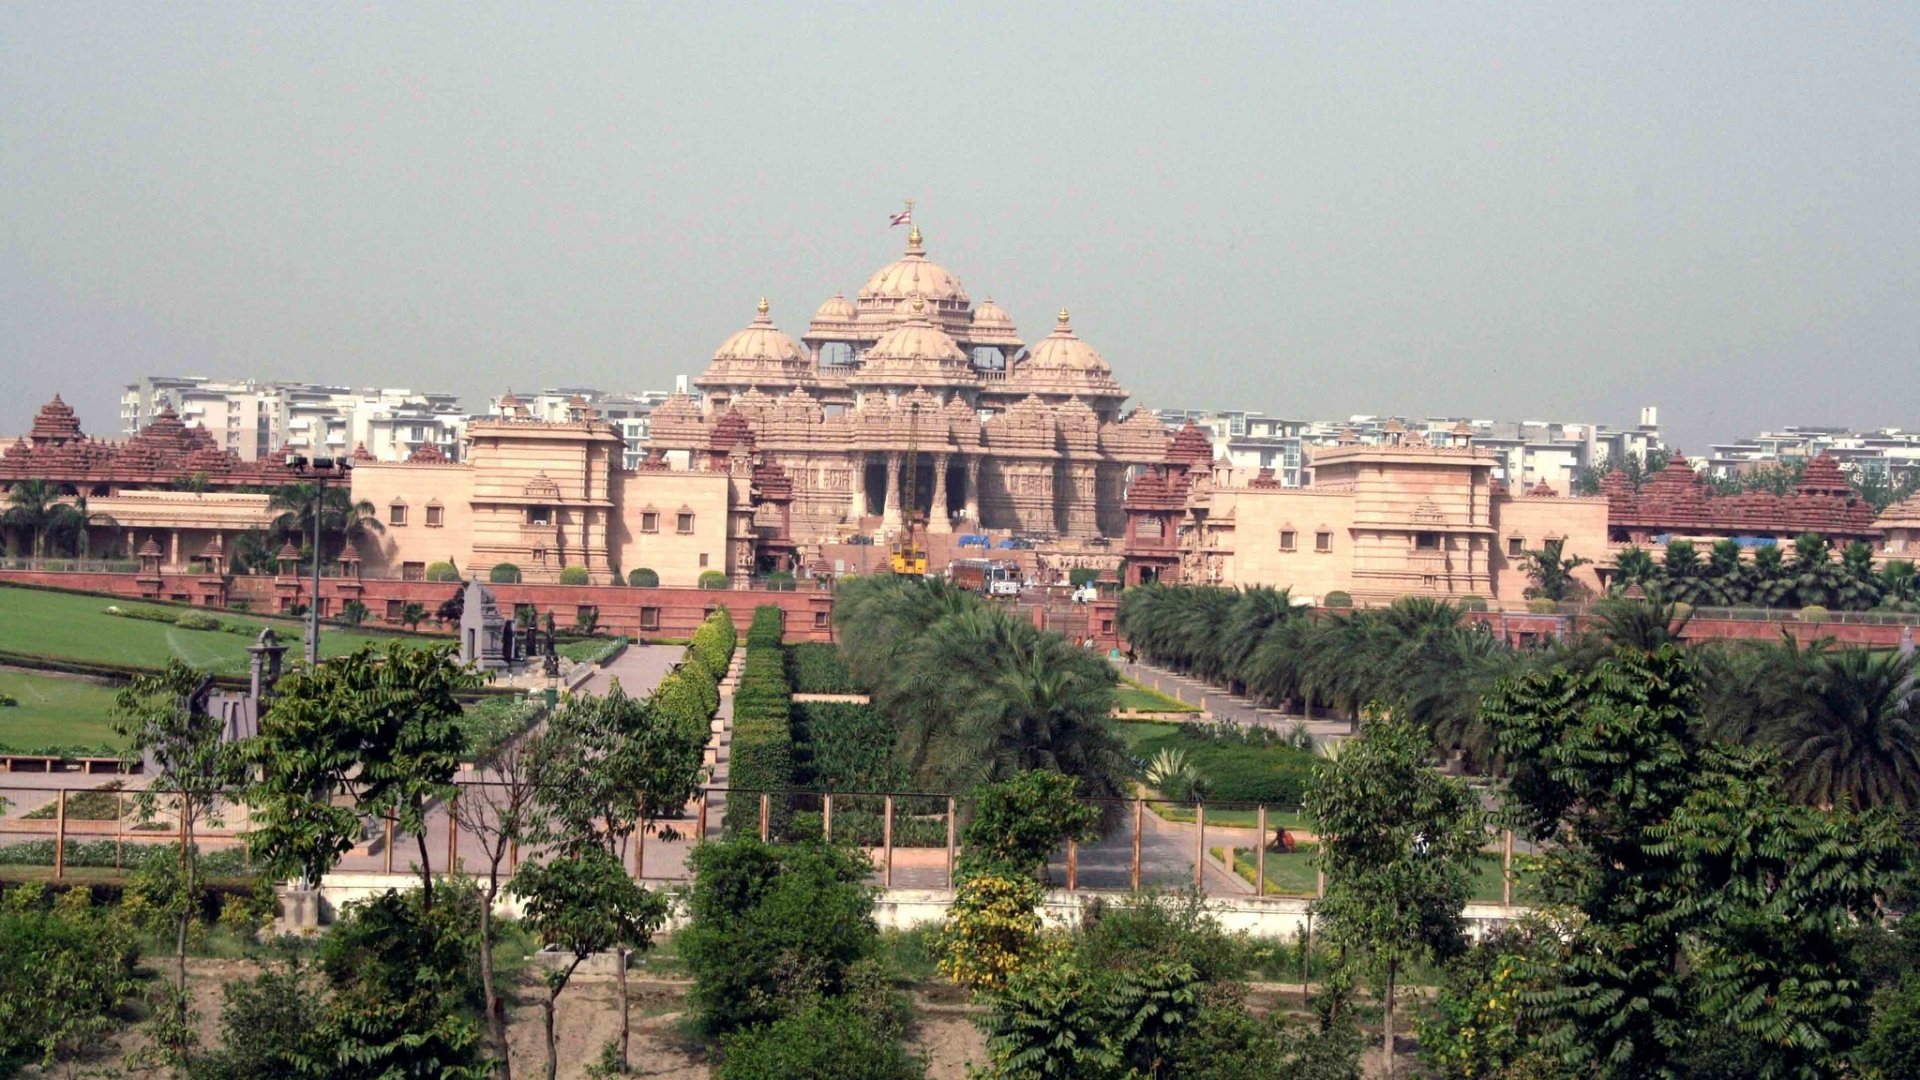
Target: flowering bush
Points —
{"points": [[990, 930]]}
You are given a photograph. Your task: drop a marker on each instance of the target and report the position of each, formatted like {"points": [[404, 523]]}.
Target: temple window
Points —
{"points": [[703, 560], [1286, 540], [1323, 541], [397, 514], [649, 618], [413, 571], [820, 620], [683, 524], [539, 515], [395, 608], [650, 522], [1516, 547], [1426, 541], [436, 517]]}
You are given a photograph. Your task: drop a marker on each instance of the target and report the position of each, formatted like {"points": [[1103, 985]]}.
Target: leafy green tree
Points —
{"points": [[832, 1040], [413, 614], [1551, 571], [1698, 900], [164, 718], [63, 975], [583, 903], [268, 1028], [1892, 1046], [1019, 823], [773, 928], [401, 989], [1397, 845], [353, 613], [31, 506]]}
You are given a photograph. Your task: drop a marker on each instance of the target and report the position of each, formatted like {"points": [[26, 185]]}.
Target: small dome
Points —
{"points": [[837, 309], [1061, 349], [916, 339], [991, 314], [761, 340]]}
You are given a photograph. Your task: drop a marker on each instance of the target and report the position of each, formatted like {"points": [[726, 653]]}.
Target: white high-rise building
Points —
{"points": [[256, 419]]}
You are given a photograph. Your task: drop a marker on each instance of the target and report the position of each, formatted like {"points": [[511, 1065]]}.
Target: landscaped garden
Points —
{"points": [[1131, 696], [55, 711], [77, 627]]}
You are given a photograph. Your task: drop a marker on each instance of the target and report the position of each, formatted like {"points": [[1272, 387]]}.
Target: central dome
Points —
{"points": [[916, 339], [913, 275]]}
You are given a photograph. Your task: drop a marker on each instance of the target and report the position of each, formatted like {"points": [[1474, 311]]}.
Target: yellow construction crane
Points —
{"points": [[909, 554]]}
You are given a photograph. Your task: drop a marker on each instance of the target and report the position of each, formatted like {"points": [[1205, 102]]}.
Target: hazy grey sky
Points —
{"points": [[1543, 211]]}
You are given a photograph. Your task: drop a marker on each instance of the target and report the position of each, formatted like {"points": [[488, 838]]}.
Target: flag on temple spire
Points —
{"points": [[904, 217]]}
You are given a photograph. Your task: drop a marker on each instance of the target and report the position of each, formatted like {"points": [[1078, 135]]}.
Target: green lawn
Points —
{"points": [[74, 627], [55, 711], [1131, 695]]}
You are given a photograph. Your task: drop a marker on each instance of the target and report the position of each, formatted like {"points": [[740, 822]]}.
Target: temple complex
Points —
{"points": [[165, 453], [1677, 501], [1000, 435]]}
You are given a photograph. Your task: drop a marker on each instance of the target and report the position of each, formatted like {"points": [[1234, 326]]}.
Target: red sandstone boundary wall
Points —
{"points": [[670, 613]]}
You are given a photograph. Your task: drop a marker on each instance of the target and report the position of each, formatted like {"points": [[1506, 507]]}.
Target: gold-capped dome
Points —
{"points": [[762, 307], [1062, 317]]}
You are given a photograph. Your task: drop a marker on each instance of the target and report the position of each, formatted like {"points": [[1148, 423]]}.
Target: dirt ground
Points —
{"points": [[588, 1019]]}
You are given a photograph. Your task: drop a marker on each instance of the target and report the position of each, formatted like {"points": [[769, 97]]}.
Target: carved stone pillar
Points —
{"points": [[890, 499], [857, 484], [972, 494], [937, 520]]}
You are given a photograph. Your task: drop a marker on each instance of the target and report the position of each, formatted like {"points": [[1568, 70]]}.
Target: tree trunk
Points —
{"points": [[1386, 1041], [426, 868], [186, 920], [626, 1025], [496, 1011], [553, 1054]]}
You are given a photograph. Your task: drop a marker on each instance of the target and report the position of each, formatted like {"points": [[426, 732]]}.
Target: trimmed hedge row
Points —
{"points": [[713, 643], [762, 732], [842, 746], [816, 667]]}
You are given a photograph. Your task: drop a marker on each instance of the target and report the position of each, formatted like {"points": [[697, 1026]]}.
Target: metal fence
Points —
{"points": [[912, 838]]}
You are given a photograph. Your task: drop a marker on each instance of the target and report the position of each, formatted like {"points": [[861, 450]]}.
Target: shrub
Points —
{"points": [[832, 1040], [768, 626], [353, 613], [842, 746], [1081, 575], [504, 574], [713, 643], [442, 571], [990, 930], [780, 581], [1472, 603], [1814, 613], [773, 928], [1019, 822], [62, 976], [643, 578], [8, 701], [762, 732], [1336, 599], [573, 575], [816, 667], [1542, 606], [193, 620], [713, 579]]}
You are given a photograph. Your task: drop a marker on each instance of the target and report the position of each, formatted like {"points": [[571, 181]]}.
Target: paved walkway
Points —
{"points": [[1230, 708]]}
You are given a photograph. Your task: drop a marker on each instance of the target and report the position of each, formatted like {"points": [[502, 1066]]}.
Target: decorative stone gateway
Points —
{"points": [[1030, 440], [485, 636]]}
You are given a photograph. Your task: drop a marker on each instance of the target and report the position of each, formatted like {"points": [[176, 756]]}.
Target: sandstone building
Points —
{"points": [[1003, 435]]}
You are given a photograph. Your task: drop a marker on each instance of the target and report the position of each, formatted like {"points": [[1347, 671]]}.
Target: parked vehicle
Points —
{"points": [[1086, 594], [1004, 587]]}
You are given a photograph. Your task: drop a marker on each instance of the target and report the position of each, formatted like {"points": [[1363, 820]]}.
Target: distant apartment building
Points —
{"points": [[630, 413], [1892, 451], [1526, 452], [256, 419]]}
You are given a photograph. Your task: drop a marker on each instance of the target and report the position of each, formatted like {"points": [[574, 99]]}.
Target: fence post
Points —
{"points": [[1073, 865], [119, 826], [1200, 846], [1139, 815], [60, 836], [764, 807], [1260, 851], [826, 818], [952, 835], [453, 832], [1506, 870], [886, 846], [389, 866]]}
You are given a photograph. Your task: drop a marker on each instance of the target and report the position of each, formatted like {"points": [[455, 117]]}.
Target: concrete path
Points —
{"points": [[639, 669], [1226, 707]]}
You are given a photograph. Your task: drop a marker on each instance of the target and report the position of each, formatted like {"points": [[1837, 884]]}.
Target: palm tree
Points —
{"points": [[1551, 572], [1769, 583], [1816, 580], [1858, 587], [1724, 581], [1635, 566], [1642, 625], [1897, 581], [1253, 616], [30, 506], [1851, 734], [342, 520], [1680, 572]]}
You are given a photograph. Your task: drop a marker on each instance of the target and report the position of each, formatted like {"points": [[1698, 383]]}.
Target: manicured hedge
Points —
{"points": [[643, 578], [816, 667], [842, 746], [504, 574], [762, 735], [573, 575], [713, 643], [1239, 769], [442, 571]]}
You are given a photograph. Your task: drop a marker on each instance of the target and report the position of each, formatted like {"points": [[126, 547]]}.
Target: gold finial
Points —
{"points": [[913, 237], [761, 307], [919, 304], [1062, 317]]}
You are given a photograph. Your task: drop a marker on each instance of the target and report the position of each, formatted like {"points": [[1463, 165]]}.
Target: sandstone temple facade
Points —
{"points": [[1001, 435]]}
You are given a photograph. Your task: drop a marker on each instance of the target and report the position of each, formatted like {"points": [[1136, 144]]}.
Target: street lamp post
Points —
{"points": [[319, 468]]}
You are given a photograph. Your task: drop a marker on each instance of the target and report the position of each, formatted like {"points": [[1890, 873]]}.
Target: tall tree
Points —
{"points": [[1397, 844], [342, 519], [164, 718], [30, 506], [1551, 571]]}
